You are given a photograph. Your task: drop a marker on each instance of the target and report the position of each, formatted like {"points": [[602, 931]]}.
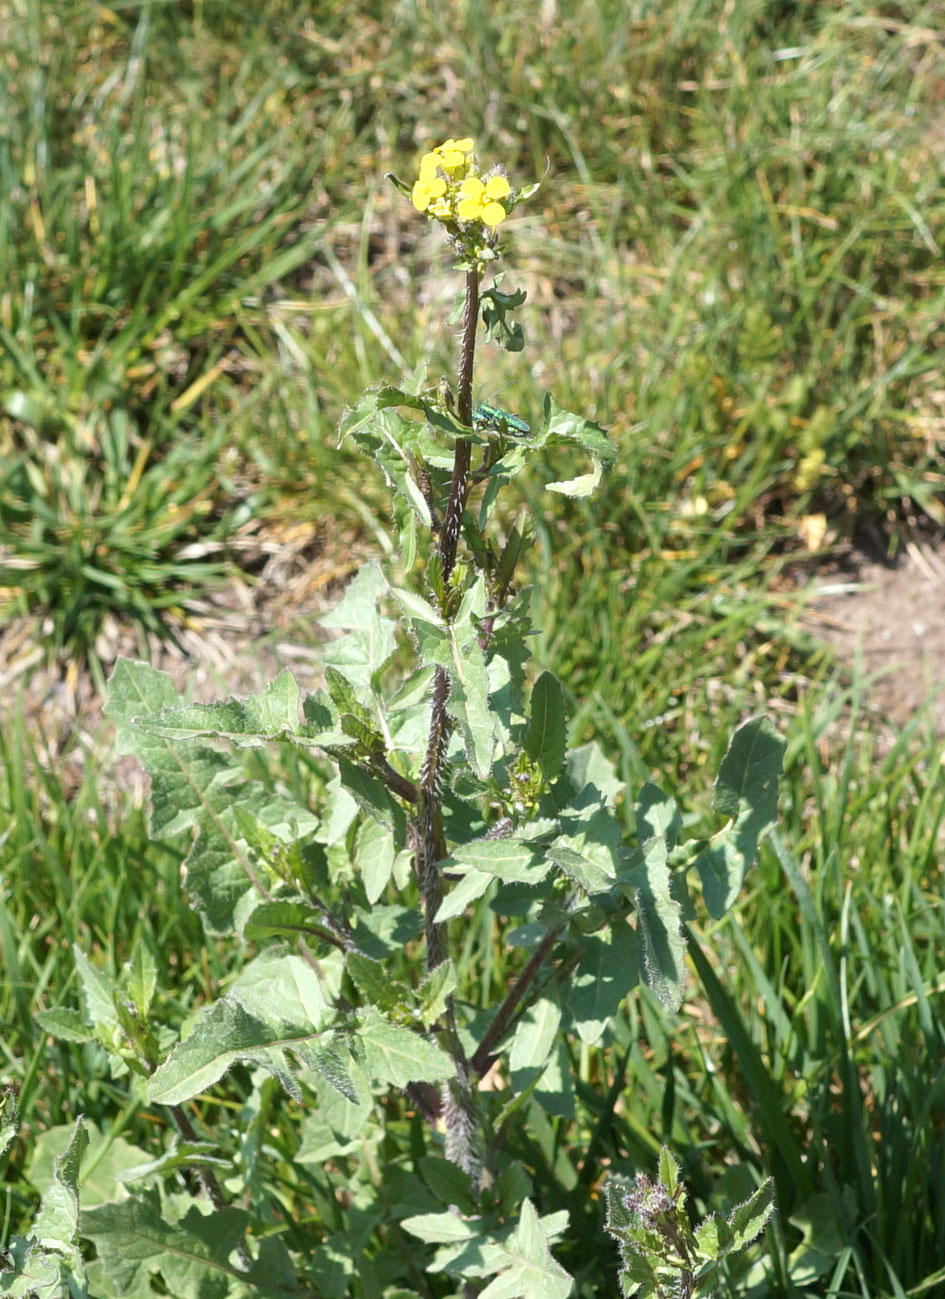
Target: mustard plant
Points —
{"points": [[339, 1118]]}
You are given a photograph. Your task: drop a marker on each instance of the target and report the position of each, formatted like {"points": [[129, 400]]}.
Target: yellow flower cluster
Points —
{"points": [[449, 187]]}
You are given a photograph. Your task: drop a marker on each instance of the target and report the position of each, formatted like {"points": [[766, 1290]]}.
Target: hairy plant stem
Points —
{"points": [[460, 1108]]}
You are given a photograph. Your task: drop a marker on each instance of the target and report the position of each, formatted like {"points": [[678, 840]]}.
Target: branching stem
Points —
{"points": [[483, 1059]]}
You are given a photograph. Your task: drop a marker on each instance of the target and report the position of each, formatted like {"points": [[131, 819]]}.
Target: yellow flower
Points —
{"points": [[453, 155], [456, 146], [427, 189], [479, 202]]}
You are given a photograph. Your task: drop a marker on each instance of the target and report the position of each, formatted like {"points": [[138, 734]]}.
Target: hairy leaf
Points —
{"points": [[194, 787], [530, 1272], [399, 1055], [507, 859], [370, 638], [106, 1160], [226, 1034], [135, 1241], [659, 922], [746, 792], [374, 852], [468, 701], [608, 970], [375, 984], [271, 714], [588, 848], [66, 1024], [49, 1261], [469, 888]]}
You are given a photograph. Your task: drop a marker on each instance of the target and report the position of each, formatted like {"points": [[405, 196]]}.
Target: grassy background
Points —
{"points": [[735, 265]]}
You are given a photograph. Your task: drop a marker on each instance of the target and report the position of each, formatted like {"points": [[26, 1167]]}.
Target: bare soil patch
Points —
{"points": [[887, 618]]}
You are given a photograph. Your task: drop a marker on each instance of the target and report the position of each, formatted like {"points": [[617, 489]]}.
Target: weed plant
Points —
{"points": [[745, 280], [449, 793]]}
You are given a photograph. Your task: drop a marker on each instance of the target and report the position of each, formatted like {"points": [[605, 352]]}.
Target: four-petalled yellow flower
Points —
{"points": [[479, 202], [428, 188]]}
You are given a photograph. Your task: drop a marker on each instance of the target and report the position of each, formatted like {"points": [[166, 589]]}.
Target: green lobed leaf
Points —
{"points": [[657, 814], [372, 797], [399, 1055], [708, 1236], [381, 931], [748, 1220], [375, 983], [98, 991], [66, 1024], [530, 1272], [668, 1172], [609, 969], [135, 1242], [285, 991], [565, 426], [440, 1228], [746, 791], [180, 1155], [468, 701], [141, 978], [509, 860], [370, 638], [435, 991], [49, 1260], [270, 714], [416, 606], [284, 919], [223, 1035], [374, 853], [496, 317], [449, 1183], [195, 787], [340, 1118], [106, 1160], [588, 766], [588, 847], [461, 895], [391, 441]]}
